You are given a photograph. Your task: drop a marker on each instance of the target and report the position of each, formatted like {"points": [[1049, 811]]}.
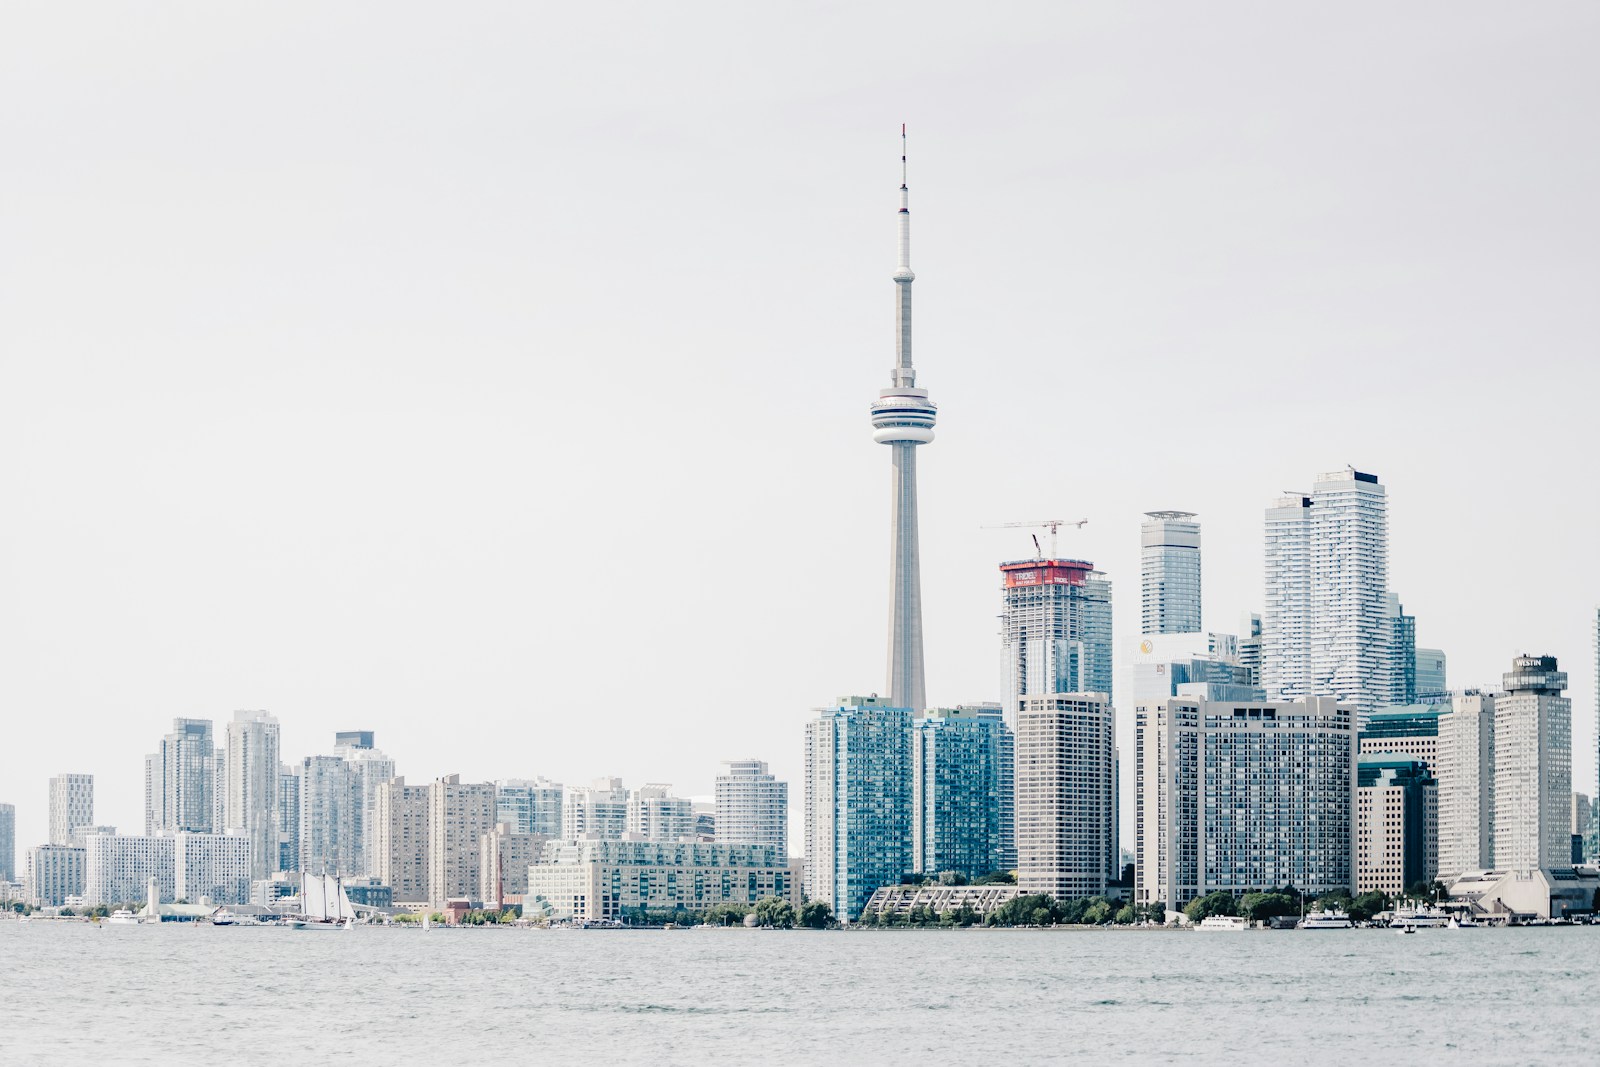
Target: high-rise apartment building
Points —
{"points": [[1244, 796], [1056, 630], [8, 843], [654, 814], [530, 805], [252, 787], [752, 807], [1397, 815], [214, 867], [401, 845], [71, 807], [600, 809], [180, 780], [1465, 771], [958, 760], [331, 816], [1169, 573], [118, 868], [55, 872], [858, 801], [903, 418], [289, 786], [1327, 630], [1402, 654], [1065, 795], [371, 770], [459, 814], [1532, 767], [504, 857]]}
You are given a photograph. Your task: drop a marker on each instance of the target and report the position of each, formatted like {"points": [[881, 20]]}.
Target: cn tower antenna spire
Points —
{"points": [[903, 419]]}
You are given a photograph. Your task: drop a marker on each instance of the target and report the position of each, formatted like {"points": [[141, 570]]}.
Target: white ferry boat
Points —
{"points": [[1420, 918], [122, 917], [1336, 919], [1223, 922]]}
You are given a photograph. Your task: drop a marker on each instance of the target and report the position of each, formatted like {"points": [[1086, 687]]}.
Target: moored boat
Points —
{"points": [[1225, 923], [1336, 919]]}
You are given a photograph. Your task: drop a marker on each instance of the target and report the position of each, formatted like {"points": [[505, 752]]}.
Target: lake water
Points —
{"points": [[180, 994]]}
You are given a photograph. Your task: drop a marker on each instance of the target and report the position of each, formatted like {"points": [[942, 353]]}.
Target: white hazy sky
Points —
{"points": [[495, 375]]}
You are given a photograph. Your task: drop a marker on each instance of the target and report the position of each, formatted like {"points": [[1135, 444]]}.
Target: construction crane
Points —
{"points": [[1049, 524]]}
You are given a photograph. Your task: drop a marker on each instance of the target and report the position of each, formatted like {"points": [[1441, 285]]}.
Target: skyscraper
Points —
{"points": [[1466, 784], [71, 806], [180, 780], [252, 787], [1429, 669], [960, 761], [331, 800], [752, 806], [459, 814], [1533, 767], [289, 787], [401, 845], [371, 769], [1169, 573], [1065, 794], [1396, 824], [1327, 630], [1056, 630], [903, 418], [8, 843], [858, 801]]}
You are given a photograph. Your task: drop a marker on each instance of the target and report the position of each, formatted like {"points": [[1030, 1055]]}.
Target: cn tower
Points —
{"points": [[903, 418]]}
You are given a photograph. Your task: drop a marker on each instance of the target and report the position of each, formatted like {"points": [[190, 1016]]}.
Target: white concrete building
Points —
{"points": [[600, 809], [252, 786], [1532, 802], [595, 879], [1327, 628], [214, 867], [1465, 770], [654, 814], [1065, 784], [752, 806], [118, 868], [54, 873], [459, 814], [1169, 573], [1240, 797], [530, 805], [71, 807], [401, 845]]}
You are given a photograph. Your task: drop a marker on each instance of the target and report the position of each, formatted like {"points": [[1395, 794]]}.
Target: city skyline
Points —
{"points": [[302, 505]]}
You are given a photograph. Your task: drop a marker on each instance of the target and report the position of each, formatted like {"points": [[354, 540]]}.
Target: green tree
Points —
{"points": [[775, 911], [1126, 915], [1098, 911], [816, 914], [1218, 903], [996, 878], [1367, 905]]}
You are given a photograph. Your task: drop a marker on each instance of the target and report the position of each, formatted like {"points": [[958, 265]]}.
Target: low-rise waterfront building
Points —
{"points": [[1521, 895], [594, 879], [979, 899]]}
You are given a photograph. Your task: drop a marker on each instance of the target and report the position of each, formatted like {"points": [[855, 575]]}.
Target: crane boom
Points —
{"points": [[1049, 524]]}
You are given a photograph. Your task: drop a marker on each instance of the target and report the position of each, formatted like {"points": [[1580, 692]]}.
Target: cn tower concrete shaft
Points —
{"points": [[903, 419]]}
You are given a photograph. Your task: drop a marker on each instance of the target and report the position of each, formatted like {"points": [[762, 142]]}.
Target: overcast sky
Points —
{"points": [[495, 376]]}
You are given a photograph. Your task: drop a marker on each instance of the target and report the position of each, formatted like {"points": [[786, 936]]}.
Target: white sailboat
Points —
{"points": [[324, 905]]}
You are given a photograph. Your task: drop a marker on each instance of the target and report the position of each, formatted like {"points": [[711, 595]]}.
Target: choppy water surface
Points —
{"points": [[77, 994]]}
